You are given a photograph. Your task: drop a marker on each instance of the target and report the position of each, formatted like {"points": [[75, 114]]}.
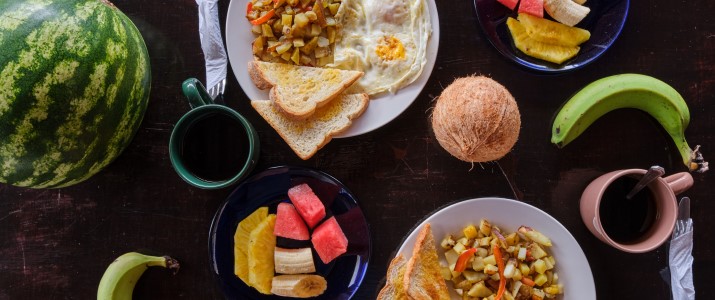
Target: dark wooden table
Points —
{"points": [[55, 244]]}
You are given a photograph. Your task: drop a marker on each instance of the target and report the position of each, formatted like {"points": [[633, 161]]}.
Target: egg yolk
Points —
{"points": [[390, 48]]}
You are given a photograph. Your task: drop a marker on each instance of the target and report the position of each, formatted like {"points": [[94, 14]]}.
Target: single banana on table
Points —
{"points": [[298, 286], [646, 93], [123, 273]]}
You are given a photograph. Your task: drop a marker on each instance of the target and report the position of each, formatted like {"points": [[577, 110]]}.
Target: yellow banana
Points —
{"points": [[566, 11], [123, 273], [646, 93], [294, 261], [298, 286]]}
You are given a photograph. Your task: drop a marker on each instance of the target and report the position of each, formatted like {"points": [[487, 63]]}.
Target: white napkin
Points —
{"points": [[211, 42], [681, 265]]}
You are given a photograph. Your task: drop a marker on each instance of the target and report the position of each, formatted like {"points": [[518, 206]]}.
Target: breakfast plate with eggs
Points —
{"points": [[394, 43]]}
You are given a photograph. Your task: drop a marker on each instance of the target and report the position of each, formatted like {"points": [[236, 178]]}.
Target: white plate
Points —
{"points": [[381, 110], [571, 264]]}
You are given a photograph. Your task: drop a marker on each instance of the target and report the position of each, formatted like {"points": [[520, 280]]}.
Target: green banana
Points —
{"points": [[123, 273], [646, 93]]}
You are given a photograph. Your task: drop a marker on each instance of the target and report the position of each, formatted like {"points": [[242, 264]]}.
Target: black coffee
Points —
{"points": [[627, 220], [215, 147]]}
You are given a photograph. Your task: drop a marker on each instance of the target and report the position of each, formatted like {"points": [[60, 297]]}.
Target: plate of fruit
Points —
{"points": [[552, 36], [289, 232], [488, 247]]}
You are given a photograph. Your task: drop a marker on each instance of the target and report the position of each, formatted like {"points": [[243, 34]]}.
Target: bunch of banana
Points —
{"points": [[123, 273], [294, 261], [569, 12], [299, 286], [646, 93]]}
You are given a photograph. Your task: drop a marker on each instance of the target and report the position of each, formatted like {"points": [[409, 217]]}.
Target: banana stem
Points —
{"points": [[696, 162]]}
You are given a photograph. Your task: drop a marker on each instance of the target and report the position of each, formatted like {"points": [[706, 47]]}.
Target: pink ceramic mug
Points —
{"points": [[666, 212]]}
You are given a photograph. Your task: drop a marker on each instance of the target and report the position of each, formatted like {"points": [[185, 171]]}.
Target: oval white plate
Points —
{"points": [[571, 264], [382, 109]]}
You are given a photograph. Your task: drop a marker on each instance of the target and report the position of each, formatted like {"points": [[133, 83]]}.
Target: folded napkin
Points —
{"points": [[681, 264], [211, 42]]}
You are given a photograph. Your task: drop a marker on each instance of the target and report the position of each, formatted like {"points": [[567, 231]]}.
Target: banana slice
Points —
{"points": [[294, 261], [299, 286], [566, 11]]}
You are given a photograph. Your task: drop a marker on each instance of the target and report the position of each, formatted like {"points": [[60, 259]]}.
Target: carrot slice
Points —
{"points": [[265, 18], [500, 264], [463, 258]]}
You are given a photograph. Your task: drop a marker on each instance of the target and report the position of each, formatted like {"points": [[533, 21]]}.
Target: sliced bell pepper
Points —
{"points": [[463, 258], [264, 18], [249, 8], [500, 264]]}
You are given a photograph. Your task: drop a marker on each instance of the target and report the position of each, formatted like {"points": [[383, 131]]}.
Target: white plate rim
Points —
{"points": [[381, 110], [443, 221]]}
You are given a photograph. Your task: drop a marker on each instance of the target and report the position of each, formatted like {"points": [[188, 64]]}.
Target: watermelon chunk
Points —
{"points": [[289, 224], [511, 4], [329, 240], [532, 7], [307, 203]]}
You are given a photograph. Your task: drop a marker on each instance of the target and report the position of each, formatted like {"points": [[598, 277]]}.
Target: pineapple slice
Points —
{"points": [[240, 242], [261, 247], [552, 53], [550, 32]]}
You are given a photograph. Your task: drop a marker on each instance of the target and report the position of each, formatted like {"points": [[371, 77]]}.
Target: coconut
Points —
{"points": [[476, 119]]}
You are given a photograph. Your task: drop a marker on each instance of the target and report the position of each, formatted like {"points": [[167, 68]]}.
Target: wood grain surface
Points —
{"points": [[55, 244]]}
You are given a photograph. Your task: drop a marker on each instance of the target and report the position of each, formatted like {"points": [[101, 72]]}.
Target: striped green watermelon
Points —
{"points": [[74, 85]]}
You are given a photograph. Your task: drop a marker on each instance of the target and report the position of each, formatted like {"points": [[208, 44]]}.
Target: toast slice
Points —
{"points": [[394, 287], [298, 90], [308, 136], [423, 280]]}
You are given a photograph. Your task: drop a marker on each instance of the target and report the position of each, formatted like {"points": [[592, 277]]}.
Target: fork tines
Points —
{"points": [[217, 89]]}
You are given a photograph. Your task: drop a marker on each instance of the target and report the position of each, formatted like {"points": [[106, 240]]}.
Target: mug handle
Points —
{"points": [[196, 93], [679, 182]]}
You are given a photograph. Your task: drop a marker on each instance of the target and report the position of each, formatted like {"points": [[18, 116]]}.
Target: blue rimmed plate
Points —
{"points": [[605, 22], [269, 188]]}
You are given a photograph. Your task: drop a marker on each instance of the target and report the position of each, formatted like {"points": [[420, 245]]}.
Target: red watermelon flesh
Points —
{"points": [[329, 240], [289, 224], [511, 4], [532, 7], [307, 203]]}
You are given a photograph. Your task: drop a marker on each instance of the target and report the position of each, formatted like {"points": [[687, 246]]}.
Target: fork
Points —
{"points": [[217, 90], [681, 227]]}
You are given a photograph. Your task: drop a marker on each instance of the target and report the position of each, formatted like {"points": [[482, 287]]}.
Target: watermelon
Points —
{"points": [[307, 203], [329, 240], [289, 224], [511, 4], [532, 7], [74, 85]]}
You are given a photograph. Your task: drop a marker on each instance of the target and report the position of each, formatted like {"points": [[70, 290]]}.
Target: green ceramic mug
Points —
{"points": [[212, 146]]}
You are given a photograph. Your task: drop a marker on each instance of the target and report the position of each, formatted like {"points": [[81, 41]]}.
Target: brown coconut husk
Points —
{"points": [[476, 119]]}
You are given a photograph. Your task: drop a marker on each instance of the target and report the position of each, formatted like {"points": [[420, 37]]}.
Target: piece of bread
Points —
{"points": [[394, 286], [307, 136], [298, 90], [423, 280]]}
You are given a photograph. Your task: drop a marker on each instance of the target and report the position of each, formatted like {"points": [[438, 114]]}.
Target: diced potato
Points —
{"points": [[289, 10], [324, 60], [481, 252], [297, 43], [548, 263], [515, 288], [287, 20], [311, 16], [470, 231], [524, 268], [464, 285], [536, 251], [490, 260], [507, 296], [267, 30], [540, 279], [455, 274], [510, 268], [258, 44], [315, 29], [479, 290], [457, 279], [446, 273], [485, 227], [464, 241], [522, 254], [286, 56], [555, 280], [539, 266], [310, 46], [494, 277], [448, 242], [283, 47], [491, 269], [478, 264], [256, 29], [451, 257], [473, 276], [458, 247], [554, 289], [517, 274], [296, 56], [512, 238], [333, 7], [537, 294], [330, 21], [485, 241], [300, 20]]}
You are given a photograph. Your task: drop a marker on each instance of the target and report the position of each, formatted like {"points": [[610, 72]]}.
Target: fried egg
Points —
{"points": [[385, 39]]}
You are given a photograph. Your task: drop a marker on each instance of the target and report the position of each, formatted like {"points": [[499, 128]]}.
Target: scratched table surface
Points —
{"points": [[56, 244]]}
